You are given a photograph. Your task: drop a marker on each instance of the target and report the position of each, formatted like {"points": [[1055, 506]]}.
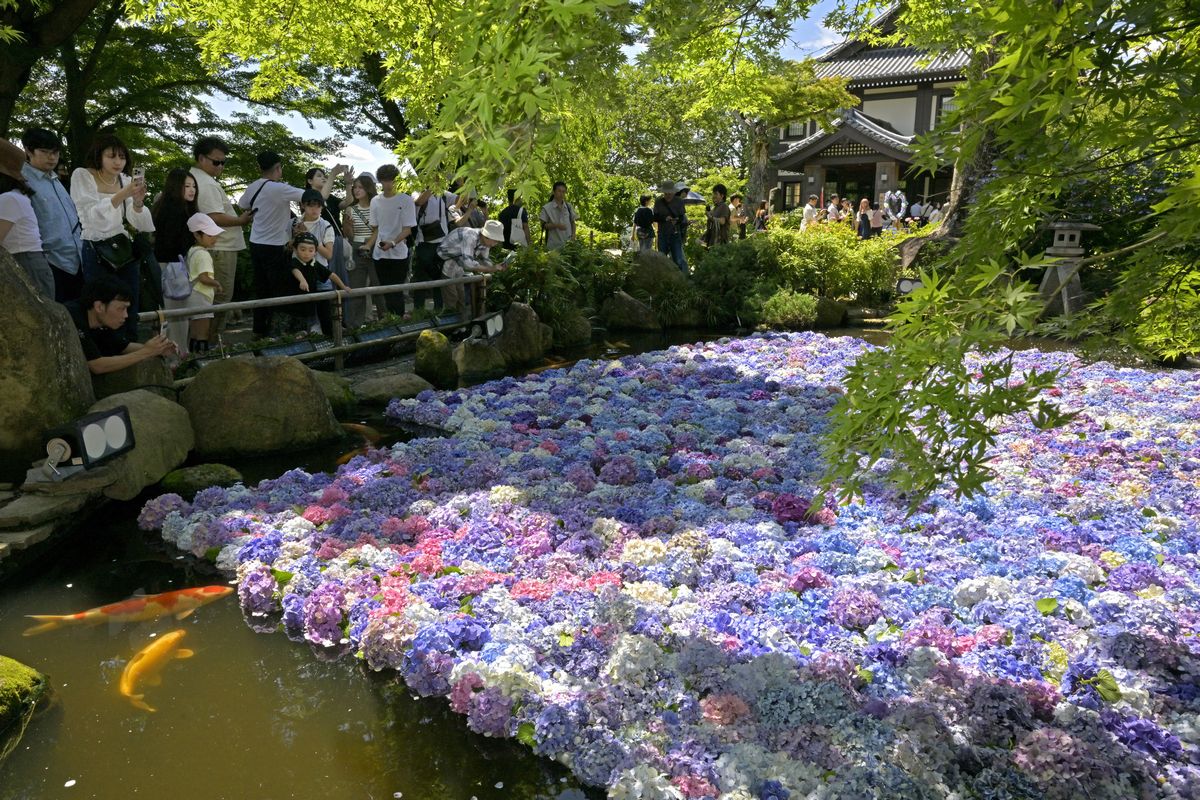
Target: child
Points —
{"points": [[200, 272], [309, 273]]}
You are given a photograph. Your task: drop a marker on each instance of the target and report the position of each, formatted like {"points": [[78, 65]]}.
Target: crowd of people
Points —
{"points": [[91, 240], [891, 214], [86, 239]]}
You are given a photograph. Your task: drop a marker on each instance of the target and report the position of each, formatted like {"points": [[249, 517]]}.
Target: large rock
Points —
{"points": [[479, 360], [151, 372], [573, 330], [621, 312], [44, 380], [21, 689], [435, 360], [338, 392], [830, 314], [162, 435], [256, 406], [521, 341], [189, 480], [655, 275], [381, 389]]}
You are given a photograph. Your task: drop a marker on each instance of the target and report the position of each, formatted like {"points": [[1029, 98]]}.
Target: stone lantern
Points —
{"points": [[1067, 248]]}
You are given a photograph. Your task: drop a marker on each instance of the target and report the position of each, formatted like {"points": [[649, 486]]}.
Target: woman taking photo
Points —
{"points": [[172, 239], [107, 201], [356, 227], [862, 220]]}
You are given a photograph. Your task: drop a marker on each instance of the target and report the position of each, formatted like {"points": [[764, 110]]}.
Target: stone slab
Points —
{"points": [[19, 540], [92, 480], [34, 509]]}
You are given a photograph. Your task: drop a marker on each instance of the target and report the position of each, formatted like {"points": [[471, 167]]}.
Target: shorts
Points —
{"points": [[197, 300]]}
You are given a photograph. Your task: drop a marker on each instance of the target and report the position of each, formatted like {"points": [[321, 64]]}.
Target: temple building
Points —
{"points": [[868, 149]]}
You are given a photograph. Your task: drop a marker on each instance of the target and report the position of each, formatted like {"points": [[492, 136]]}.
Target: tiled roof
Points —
{"points": [[871, 128], [890, 63]]}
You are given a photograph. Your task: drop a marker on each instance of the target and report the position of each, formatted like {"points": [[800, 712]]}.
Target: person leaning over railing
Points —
{"points": [[468, 250]]}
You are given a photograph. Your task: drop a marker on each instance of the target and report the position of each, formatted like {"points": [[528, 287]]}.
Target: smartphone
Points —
{"points": [[139, 174]]}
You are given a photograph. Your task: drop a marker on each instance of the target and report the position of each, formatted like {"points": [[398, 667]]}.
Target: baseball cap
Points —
{"points": [[203, 223]]}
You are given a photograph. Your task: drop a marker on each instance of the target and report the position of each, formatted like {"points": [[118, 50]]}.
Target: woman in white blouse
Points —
{"points": [[109, 205]]}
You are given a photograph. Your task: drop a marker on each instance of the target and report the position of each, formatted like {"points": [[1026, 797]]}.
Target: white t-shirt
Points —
{"points": [[437, 209], [834, 212], [24, 236], [321, 229], [810, 215], [211, 199], [273, 222], [390, 216]]}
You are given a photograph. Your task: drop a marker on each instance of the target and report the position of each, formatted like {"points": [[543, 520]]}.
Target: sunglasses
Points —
{"points": [[215, 162]]}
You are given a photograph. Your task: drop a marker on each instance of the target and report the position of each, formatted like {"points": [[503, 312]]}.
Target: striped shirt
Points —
{"points": [[360, 221]]}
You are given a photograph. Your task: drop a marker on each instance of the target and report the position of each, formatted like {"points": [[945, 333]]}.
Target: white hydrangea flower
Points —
{"points": [[506, 495], [644, 551], [971, 591], [1081, 567], [296, 528], [649, 593], [634, 660], [643, 782]]}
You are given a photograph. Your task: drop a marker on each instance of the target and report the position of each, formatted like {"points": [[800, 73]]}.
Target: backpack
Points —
{"points": [[176, 282]]}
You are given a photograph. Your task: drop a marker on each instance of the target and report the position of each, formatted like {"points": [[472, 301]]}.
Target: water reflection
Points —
{"points": [[250, 715]]}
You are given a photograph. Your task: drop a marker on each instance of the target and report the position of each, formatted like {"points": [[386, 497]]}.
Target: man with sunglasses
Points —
{"points": [[211, 153]]}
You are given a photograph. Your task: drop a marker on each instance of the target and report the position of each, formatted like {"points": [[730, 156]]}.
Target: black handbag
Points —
{"points": [[115, 252], [151, 298]]}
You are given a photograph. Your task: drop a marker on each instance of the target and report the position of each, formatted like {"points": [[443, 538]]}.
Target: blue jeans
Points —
{"points": [[672, 246], [130, 275]]}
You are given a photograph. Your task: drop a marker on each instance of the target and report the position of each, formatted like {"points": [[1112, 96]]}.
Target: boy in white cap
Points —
{"points": [[200, 272]]}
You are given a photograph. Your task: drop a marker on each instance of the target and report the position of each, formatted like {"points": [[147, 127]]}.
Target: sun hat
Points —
{"points": [[667, 187], [12, 158], [493, 229], [203, 223]]}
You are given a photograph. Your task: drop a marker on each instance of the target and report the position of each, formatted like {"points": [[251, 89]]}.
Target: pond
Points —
{"points": [[251, 715]]}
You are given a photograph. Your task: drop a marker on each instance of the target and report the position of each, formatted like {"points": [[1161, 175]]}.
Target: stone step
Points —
{"points": [[33, 509], [19, 540]]}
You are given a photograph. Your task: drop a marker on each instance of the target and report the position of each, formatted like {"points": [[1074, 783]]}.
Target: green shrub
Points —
{"points": [[593, 237], [655, 279], [788, 309], [728, 278], [831, 261]]}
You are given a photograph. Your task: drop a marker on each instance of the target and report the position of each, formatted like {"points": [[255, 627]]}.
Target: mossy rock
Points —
{"points": [[339, 392], [21, 689], [188, 481], [655, 275], [830, 314], [435, 360], [573, 329]]}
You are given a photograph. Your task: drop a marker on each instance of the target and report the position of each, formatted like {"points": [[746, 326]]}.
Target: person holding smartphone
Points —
{"points": [[107, 199]]}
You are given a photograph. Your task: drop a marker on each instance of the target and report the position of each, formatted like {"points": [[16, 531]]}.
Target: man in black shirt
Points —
{"points": [[98, 314], [514, 212], [643, 224]]}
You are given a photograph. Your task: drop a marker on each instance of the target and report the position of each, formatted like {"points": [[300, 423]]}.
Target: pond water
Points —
{"points": [[250, 715]]}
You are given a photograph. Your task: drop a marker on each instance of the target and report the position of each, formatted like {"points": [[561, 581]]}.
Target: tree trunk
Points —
{"points": [[372, 66], [760, 162], [41, 33]]}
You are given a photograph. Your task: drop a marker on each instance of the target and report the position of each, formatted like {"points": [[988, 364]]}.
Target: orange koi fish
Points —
{"points": [[180, 603], [368, 434], [146, 666]]}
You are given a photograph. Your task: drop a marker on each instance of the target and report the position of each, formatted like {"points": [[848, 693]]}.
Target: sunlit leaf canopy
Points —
{"points": [[488, 86]]}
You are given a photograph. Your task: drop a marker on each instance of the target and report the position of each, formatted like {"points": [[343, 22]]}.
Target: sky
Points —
{"points": [[808, 38]]}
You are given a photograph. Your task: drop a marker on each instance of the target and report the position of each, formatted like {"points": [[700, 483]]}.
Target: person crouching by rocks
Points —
{"points": [[201, 273], [310, 273], [99, 316], [467, 250]]}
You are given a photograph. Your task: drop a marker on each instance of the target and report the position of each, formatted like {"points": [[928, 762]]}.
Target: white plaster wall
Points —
{"points": [[900, 113]]}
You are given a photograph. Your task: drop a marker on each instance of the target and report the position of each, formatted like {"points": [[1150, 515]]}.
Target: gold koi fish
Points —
{"points": [[146, 666]]}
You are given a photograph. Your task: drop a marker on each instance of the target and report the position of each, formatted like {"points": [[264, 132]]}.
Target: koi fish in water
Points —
{"points": [[146, 666], [180, 603], [368, 435]]}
